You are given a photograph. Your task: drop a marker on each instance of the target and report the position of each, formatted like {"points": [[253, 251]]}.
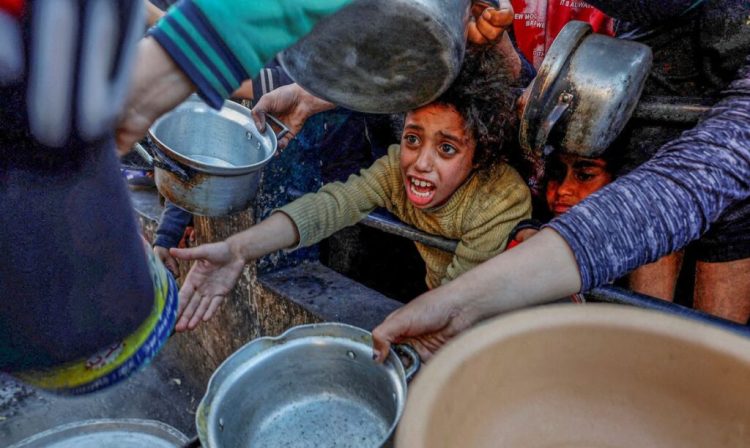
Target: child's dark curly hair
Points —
{"points": [[485, 95]]}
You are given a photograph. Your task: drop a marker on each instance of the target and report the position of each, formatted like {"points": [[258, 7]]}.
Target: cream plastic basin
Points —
{"points": [[583, 376]]}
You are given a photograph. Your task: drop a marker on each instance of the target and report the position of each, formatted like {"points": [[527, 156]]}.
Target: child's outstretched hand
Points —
{"points": [[488, 24], [212, 277], [162, 253]]}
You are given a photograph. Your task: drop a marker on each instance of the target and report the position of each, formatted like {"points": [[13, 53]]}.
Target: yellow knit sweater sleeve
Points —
{"points": [[338, 205], [495, 207]]}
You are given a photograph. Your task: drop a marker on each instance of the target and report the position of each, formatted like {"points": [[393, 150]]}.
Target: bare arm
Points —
{"points": [[540, 270], [158, 86], [274, 233], [154, 13], [218, 266]]}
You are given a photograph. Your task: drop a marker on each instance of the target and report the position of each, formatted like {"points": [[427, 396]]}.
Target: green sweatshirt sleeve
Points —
{"points": [[338, 205], [220, 43]]}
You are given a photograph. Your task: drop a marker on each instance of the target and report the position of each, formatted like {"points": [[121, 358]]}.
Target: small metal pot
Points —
{"points": [[586, 91], [209, 162], [110, 433], [313, 386], [383, 56]]}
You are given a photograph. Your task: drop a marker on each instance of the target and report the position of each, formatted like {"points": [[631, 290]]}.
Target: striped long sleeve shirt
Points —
{"points": [[219, 44], [669, 200]]}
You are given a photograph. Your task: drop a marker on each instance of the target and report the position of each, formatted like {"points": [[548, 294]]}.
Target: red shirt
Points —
{"points": [[537, 23], [12, 7]]}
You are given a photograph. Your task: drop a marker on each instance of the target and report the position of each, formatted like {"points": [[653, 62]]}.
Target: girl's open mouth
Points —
{"points": [[419, 191]]}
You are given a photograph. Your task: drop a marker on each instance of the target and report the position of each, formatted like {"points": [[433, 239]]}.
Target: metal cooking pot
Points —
{"points": [[383, 56], [313, 386], [586, 91], [110, 433], [583, 376], [209, 162]]}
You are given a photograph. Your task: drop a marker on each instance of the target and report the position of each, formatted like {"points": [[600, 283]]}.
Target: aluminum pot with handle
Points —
{"points": [[110, 433], [383, 56], [585, 92], [209, 162], [313, 386]]}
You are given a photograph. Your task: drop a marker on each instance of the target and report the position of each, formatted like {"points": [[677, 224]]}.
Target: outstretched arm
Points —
{"points": [[668, 201], [654, 210], [540, 270], [218, 266]]}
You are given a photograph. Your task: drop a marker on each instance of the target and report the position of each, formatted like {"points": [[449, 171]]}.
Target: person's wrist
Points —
{"points": [[159, 84], [239, 250], [469, 304], [312, 104]]}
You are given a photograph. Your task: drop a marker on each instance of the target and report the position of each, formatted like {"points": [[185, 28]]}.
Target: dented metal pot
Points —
{"points": [[383, 56], [313, 386], [209, 162], [585, 92]]}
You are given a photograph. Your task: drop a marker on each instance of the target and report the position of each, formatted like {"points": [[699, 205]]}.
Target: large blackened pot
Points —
{"points": [[383, 56]]}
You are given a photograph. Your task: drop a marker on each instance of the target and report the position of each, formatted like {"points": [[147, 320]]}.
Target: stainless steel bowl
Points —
{"points": [[208, 162], [313, 386]]}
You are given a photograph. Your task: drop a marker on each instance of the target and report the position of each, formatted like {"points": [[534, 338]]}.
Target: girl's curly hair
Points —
{"points": [[484, 93]]}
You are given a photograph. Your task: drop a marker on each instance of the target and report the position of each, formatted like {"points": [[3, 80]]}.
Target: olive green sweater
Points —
{"points": [[480, 214]]}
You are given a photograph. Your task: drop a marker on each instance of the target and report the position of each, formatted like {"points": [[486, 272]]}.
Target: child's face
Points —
{"points": [[436, 154], [572, 178]]}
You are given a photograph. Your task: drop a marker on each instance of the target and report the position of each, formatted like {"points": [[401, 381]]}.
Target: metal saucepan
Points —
{"points": [[313, 386], [583, 376], [110, 433], [586, 89], [209, 162], [383, 56]]}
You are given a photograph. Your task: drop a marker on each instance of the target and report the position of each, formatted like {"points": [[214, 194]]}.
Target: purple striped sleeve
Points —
{"points": [[668, 201]]}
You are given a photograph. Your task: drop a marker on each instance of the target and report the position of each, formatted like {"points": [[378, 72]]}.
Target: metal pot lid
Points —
{"points": [[110, 433]]}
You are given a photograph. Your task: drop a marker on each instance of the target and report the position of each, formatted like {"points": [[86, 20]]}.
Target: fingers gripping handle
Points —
{"points": [[279, 123], [415, 363]]}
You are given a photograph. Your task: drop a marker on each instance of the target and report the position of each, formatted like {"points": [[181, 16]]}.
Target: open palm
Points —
{"points": [[211, 278]]}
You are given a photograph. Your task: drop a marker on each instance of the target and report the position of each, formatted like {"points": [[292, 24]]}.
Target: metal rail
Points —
{"points": [[607, 294], [390, 224], [671, 109], [613, 294]]}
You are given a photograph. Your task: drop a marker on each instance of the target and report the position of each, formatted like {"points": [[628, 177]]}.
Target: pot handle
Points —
{"points": [[563, 103], [144, 154], [279, 123], [165, 163], [408, 352], [195, 442]]}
